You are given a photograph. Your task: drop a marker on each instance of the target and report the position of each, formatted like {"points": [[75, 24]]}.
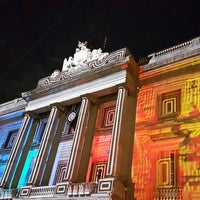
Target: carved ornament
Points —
{"points": [[84, 60]]}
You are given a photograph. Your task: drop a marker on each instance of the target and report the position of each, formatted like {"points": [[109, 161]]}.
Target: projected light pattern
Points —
{"points": [[101, 142], [58, 171], [99, 156], [60, 163], [3, 161], [32, 153], [28, 167], [166, 160], [8, 133]]}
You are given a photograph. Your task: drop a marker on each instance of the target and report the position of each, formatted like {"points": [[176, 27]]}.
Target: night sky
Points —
{"points": [[36, 35]]}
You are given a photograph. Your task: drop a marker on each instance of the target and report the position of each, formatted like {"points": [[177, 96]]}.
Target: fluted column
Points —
{"points": [[115, 146], [18, 153], [44, 152], [74, 165]]}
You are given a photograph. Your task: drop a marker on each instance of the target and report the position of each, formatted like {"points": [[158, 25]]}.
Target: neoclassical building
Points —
{"points": [[106, 127]]}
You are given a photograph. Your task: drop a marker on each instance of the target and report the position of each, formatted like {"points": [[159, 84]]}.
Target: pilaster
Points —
{"points": [[18, 152], [41, 173], [76, 163], [118, 175]]}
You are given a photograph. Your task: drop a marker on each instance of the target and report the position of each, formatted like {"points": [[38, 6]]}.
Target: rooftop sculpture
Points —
{"points": [[82, 56], [84, 60]]}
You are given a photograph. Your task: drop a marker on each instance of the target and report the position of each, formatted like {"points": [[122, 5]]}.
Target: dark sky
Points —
{"points": [[36, 35]]}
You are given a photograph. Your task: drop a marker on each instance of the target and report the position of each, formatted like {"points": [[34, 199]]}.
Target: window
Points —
{"points": [[70, 122], [170, 104], [11, 139], [166, 170], [39, 132], [98, 171]]}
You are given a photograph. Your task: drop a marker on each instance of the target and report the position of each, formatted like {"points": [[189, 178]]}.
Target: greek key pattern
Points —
{"points": [[113, 57]]}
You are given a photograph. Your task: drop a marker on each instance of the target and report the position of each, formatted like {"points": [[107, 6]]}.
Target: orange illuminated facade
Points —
{"points": [[166, 155], [106, 127]]}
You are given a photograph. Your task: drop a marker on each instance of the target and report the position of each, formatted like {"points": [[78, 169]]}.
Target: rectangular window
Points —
{"points": [[70, 122], [11, 139], [166, 171], [170, 104]]}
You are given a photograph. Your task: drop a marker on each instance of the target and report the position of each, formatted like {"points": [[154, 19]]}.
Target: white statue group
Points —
{"points": [[82, 56]]}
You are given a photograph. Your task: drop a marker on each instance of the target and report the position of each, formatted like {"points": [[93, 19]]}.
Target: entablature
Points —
{"points": [[97, 76]]}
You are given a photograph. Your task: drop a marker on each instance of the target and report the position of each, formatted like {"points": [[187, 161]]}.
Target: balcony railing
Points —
{"points": [[81, 189], [68, 189], [7, 193], [47, 191], [168, 193]]}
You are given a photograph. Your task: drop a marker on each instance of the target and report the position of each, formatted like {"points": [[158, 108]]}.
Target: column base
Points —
{"points": [[116, 189], [61, 188], [25, 191]]}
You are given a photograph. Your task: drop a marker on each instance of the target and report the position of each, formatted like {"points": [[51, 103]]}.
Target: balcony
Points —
{"points": [[168, 193], [61, 189], [7, 193]]}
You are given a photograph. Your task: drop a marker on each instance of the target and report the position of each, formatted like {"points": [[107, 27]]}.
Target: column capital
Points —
{"points": [[122, 87], [32, 114], [125, 88], [58, 106], [90, 97]]}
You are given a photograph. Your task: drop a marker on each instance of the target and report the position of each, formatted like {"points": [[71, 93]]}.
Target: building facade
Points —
{"points": [[106, 127]]}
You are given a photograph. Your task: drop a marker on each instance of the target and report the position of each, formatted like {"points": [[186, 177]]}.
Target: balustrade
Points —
{"points": [[168, 194], [72, 190], [45, 191], [81, 189], [7, 193]]}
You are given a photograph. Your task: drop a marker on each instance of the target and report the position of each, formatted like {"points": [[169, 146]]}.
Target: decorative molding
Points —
{"points": [[109, 116], [61, 171], [111, 186], [82, 64], [25, 191], [60, 191], [98, 171], [105, 117], [61, 188], [173, 54], [7, 109]]}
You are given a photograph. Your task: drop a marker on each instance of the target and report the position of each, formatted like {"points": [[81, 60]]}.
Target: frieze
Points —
{"points": [[84, 60]]}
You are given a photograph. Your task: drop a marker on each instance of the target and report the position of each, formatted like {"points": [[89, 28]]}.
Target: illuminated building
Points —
{"points": [[106, 127]]}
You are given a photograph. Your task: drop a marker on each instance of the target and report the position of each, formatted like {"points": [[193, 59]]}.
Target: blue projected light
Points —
{"points": [[28, 167], [3, 161]]}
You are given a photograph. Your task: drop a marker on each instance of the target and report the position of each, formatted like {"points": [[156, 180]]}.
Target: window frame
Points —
{"points": [[170, 105]]}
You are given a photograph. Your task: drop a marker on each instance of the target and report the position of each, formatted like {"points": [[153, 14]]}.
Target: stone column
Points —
{"points": [[118, 175], [40, 172], [18, 153], [77, 166]]}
